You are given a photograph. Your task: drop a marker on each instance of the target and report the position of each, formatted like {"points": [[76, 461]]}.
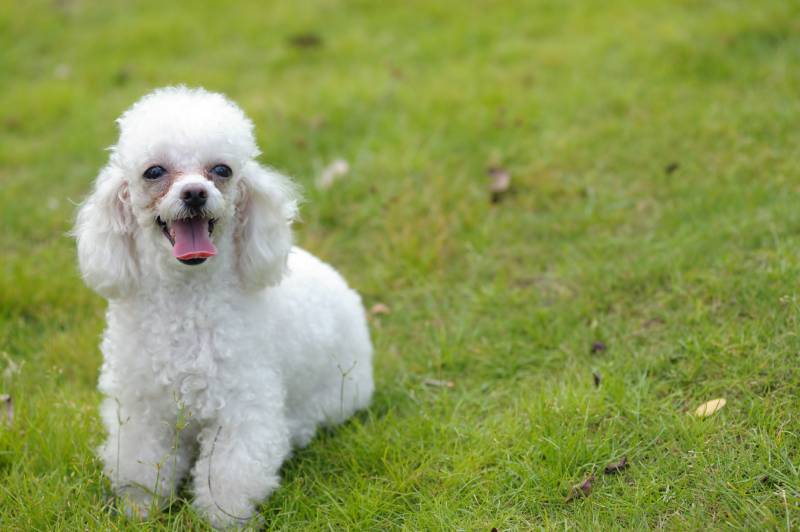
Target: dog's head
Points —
{"points": [[182, 187]]}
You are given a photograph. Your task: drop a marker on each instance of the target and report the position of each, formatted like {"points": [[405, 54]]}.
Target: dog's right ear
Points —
{"points": [[105, 230]]}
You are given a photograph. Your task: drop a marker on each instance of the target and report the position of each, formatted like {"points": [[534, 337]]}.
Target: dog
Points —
{"points": [[225, 346]]}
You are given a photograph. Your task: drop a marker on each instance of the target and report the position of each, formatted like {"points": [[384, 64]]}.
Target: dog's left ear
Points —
{"points": [[265, 210]]}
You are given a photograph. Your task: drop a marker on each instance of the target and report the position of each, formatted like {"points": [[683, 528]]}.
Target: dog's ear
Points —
{"points": [[105, 230], [266, 207]]}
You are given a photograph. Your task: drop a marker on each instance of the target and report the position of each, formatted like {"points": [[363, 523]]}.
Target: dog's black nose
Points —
{"points": [[194, 197]]}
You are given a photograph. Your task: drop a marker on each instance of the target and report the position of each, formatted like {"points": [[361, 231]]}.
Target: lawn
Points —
{"points": [[653, 213]]}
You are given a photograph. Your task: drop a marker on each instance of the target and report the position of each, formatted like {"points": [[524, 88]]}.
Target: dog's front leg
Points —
{"points": [[145, 455], [239, 461]]}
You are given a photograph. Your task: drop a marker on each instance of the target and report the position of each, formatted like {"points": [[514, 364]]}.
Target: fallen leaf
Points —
{"points": [[12, 123], [584, 489], [316, 122], [709, 408], [62, 71], [499, 182], [439, 384], [9, 403], [616, 467], [305, 40], [380, 308], [597, 378], [331, 173], [598, 347]]}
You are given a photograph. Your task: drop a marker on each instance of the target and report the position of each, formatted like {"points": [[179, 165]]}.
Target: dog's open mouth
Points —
{"points": [[190, 238]]}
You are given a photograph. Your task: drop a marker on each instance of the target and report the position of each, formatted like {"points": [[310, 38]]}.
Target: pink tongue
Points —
{"points": [[191, 239]]}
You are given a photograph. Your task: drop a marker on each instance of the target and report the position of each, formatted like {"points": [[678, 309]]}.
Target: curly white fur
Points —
{"points": [[245, 354]]}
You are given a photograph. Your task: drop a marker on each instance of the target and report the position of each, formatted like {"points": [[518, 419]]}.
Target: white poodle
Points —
{"points": [[225, 345]]}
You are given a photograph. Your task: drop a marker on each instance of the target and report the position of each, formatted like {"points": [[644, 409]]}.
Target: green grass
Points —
{"points": [[689, 277]]}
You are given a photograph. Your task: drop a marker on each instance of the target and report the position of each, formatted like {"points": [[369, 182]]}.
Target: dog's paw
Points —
{"points": [[221, 519]]}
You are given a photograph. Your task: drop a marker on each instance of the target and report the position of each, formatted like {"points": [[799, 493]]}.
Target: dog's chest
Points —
{"points": [[187, 344]]}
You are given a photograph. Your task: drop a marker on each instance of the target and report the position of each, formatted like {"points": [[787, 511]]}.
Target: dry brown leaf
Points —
{"points": [[616, 467], [380, 308], [62, 71], [9, 404], [598, 347], [439, 384], [584, 489], [305, 40], [331, 173], [499, 182], [709, 408]]}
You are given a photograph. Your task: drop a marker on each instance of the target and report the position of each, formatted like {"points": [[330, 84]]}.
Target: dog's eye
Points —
{"points": [[222, 170], [154, 172]]}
